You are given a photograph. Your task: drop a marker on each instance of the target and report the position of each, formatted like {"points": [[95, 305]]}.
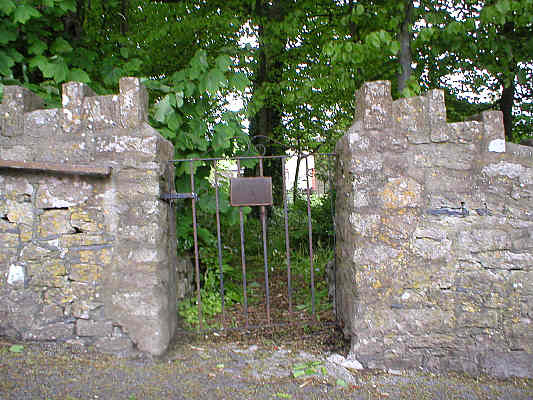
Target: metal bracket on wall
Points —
{"points": [[178, 196]]}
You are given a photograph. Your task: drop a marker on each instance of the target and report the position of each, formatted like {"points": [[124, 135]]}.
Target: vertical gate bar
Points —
{"points": [[287, 244], [332, 205], [310, 229], [243, 255], [219, 245], [265, 254], [196, 261]]}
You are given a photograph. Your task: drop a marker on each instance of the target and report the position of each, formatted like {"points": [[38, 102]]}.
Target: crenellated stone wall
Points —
{"points": [[87, 248], [434, 238]]}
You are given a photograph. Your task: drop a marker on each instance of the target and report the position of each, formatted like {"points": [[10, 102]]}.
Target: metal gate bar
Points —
{"points": [[287, 244], [219, 245], [243, 255], [310, 229], [196, 256], [193, 197], [265, 251]]}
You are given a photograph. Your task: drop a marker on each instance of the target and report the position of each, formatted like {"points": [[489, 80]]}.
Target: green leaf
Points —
{"points": [[7, 6], [221, 139], [215, 80], [24, 13], [78, 75], [503, 6], [60, 46], [239, 81], [199, 61], [359, 10], [38, 47], [179, 99], [67, 5], [7, 36], [164, 107], [124, 52], [16, 348], [48, 3], [394, 47], [223, 62], [174, 121], [6, 63]]}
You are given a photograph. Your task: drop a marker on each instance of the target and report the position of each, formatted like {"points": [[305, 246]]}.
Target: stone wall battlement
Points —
{"points": [[87, 247], [434, 238], [82, 111]]}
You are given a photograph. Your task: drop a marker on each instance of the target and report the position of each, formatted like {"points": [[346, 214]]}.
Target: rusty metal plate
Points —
{"points": [[251, 191]]}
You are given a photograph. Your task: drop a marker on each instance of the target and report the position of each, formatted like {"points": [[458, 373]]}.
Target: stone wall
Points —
{"points": [[87, 248], [435, 238]]}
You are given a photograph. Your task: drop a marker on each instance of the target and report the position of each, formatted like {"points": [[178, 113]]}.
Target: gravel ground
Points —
{"points": [[208, 370]]}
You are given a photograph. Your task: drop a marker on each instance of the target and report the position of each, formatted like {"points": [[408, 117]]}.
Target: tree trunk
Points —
{"points": [[267, 121], [506, 107], [405, 47]]}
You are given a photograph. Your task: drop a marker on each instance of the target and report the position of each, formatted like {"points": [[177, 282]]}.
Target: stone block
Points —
{"points": [[100, 255], [21, 213], [9, 240], [63, 192], [410, 116], [115, 345], [401, 192], [55, 331], [494, 132], [472, 316], [506, 364], [101, 112], [465, 132], [15, 102], [38, 252], [42, 124], [133, 102], [53, 223], [51, 273], [51, 314], [374, 105], [16, 276], [59, 296], [82, 239], [87, 219], [71, 114], [88, 273], [94, 328]]}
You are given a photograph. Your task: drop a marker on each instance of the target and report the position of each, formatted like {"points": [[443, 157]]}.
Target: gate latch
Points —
{"points": [[178, 196]]}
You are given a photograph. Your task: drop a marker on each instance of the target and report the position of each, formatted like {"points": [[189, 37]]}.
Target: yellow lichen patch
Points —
{"points": [[401, 192], [101, 256], [84, 221], [25, 233], [85, 273], [54, 222]]}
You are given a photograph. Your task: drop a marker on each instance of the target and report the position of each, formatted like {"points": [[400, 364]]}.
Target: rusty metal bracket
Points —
{"points": [[178, 196]]}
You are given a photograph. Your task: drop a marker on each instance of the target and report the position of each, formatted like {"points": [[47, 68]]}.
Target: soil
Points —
{"points": [[262, 365]]}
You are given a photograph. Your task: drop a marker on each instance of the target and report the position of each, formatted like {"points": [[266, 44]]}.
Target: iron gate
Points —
{"points": [[256, 191]]}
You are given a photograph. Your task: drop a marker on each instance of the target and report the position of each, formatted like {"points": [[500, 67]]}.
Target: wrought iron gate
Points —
{"points": [[256, 191]]}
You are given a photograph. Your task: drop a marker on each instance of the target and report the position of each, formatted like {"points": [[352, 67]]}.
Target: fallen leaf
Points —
{"points": [[16, 348], [341, 383]]}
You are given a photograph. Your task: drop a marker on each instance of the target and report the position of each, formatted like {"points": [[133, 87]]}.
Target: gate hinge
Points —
{"points": [[178, 196]]}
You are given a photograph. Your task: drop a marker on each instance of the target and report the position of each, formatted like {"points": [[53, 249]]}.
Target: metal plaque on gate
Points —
{"points": [[251, 191]]}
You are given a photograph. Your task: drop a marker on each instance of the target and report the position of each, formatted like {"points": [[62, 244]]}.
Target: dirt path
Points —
{"points": [[208, 370]]}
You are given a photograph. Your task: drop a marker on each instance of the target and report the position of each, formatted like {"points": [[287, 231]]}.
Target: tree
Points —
{"points": [[488, 44]]}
